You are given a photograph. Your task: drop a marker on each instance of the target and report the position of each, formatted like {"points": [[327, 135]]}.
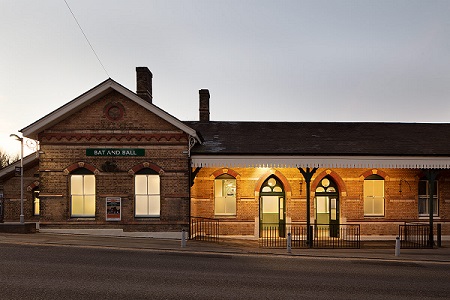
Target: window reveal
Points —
{"points": [[374, 196], [36, 203], [147, 195], [424, 198], [225, 195], [82, 190]]}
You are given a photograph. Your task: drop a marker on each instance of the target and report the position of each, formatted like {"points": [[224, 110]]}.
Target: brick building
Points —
{"points": [[112, 159]]}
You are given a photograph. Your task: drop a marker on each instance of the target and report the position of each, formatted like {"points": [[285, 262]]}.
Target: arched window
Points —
{"points": [[272, 185], [82, 193], [225, 195], [147, 193], [272, 212], [424, 198], [326, 198], [374, 196]]}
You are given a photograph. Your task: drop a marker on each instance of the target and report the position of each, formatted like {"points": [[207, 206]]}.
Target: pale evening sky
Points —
{"points": [[261, 60]]}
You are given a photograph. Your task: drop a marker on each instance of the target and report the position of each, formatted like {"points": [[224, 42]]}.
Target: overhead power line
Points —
{"points": [[90, 45]]}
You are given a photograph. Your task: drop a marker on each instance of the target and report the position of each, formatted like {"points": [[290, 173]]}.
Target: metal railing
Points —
{"points": [[204, 229], [414, 236], [322, 236], [270, 236], [337, 236]]}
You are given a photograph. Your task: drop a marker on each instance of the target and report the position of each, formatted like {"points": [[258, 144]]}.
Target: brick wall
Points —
{"points": [[64, 145], [400, 191], [11, 191]]}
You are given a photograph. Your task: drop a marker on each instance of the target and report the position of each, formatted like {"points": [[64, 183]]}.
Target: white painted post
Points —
{"points": [[289, 245], [183, 239], [397, 246]]}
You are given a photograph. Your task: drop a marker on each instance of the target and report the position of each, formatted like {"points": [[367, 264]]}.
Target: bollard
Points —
{"points": [[311, 237], [289, 241], [397, 246], [439, 235], [183, 238]]}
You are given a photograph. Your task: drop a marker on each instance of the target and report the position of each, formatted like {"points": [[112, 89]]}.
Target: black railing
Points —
{"points": [[322, 236], [204, 229], [272, 237], [337, 236], [413, 236]]}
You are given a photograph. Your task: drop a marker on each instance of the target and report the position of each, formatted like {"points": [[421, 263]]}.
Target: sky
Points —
{"points": [[280, 60]]}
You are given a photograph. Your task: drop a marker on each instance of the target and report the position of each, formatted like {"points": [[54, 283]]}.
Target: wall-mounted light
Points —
{"points": [[400, 185]]}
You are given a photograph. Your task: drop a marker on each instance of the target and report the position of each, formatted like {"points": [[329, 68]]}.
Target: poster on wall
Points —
{"points": [[113, 208]]}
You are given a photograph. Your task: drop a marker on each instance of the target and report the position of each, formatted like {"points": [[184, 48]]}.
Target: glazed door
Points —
{"points": [[327, 213], [272, 214], [334, 217]]}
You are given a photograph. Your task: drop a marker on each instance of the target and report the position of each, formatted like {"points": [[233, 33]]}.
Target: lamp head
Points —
{"points": [[16, 137]]}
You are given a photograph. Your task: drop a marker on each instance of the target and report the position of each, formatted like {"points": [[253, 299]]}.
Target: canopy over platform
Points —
{"points": [[390, 162]]}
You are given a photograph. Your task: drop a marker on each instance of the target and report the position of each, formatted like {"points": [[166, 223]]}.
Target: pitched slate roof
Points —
{"points": [[322, 138], [28, 162]]}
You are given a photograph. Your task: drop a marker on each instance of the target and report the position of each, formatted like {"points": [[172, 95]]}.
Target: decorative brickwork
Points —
{"points": [[81, 164], [32, 186], [279, 175], [336, 178], [63, 147], [144, 165], [231, 172], [375, 172], [111, 117], [400, 207]]}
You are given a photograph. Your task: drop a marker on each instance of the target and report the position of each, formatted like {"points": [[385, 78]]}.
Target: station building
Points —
{"points": [[110, 158]]}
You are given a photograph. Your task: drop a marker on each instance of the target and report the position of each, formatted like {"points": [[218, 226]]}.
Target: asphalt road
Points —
{"points": [[58, 272]]}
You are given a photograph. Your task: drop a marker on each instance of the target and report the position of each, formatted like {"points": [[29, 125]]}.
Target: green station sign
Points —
{"points": [[115, 152]]}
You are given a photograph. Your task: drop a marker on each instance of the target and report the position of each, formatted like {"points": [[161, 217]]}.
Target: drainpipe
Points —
{"points": [[190, 186]]}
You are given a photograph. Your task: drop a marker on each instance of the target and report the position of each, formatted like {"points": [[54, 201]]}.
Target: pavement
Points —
{"points": [[226, 246]]}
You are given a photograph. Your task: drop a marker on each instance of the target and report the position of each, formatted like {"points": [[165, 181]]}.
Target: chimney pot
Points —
{"points": [[204, 105], [144, 83]]}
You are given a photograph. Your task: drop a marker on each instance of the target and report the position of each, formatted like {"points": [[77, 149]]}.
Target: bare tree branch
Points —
{"points": [[7, 159]]}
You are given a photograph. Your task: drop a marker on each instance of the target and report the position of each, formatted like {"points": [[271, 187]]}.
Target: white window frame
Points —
{"points": [[225, 196], [85, 196], [370, 199], [425, 198], [151, 199]]}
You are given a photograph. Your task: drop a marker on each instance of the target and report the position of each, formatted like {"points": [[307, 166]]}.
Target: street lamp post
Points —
{"points": [[15, 136]]}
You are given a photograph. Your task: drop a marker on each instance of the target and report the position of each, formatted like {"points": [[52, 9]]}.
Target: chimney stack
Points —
{"points": [[204, 105], [144, 83]]}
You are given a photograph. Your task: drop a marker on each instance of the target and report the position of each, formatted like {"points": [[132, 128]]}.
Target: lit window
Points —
{"points": [[424, 198], [322, 205], [374, 196], [320, 189], [36, 204], [225, 195], [147, 194], [82, 191]]}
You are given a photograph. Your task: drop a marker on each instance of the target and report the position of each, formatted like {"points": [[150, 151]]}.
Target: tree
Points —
{"points": [[7, 159]]}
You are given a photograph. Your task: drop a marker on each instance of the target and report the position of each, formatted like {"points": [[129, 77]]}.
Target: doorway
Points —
{"points": [[326, 207], [272, 209]]}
